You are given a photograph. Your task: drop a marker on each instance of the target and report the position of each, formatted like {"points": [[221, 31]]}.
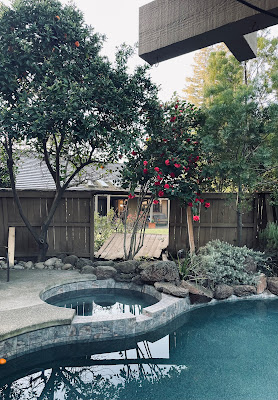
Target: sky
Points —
{"points": [[119, 21]]}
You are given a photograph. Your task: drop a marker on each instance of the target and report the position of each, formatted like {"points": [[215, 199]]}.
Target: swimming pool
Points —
{"points": [[222, 352]]}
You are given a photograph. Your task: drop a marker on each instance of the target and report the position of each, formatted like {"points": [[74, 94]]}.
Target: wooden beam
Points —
{"points": [[170, 28]]}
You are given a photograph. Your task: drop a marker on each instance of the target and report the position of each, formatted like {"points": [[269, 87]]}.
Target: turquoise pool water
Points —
{"points": [[222, 352], [103, 301]]}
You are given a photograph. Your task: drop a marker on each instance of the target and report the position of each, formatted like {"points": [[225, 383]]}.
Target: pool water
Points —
{"points": [[103, 301], [222, 352]]}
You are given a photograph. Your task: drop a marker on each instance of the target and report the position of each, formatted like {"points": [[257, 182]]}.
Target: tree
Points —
{"points": [[169, 164], [236, 131], [195, 85], [64, 100], [4, 174]]}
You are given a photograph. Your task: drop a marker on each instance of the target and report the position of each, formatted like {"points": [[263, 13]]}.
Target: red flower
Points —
{"points": [[131, 196], [197, 158], [172, 119], [190, 204], [120, 156], [196, 218], [166, 186], [77, 44], [188, 140], [160, 193], [201, 201], [167, 162], [145, 163], [165, 140], [145, 170], [177, 165], [207, 205], [196, 200], [156, 169], [172, 175], [134, 153], [176, 106], [155, 201], [186, 169], [159, 178], [157, 183]]}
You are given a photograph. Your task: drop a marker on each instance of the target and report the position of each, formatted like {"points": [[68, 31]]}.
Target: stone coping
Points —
{"points": [[41, 326]]}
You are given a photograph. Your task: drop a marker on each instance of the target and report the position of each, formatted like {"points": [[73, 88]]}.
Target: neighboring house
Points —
{"points": [[33, 174]]}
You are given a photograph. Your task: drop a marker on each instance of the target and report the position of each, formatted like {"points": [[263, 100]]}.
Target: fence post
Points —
{"points": [[92, 227], [190, 230]]}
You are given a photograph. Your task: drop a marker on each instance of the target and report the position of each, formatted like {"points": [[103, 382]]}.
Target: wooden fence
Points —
{"points": [[220, 221], [71, 230]]}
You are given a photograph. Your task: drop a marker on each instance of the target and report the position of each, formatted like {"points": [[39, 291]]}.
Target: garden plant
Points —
{"points": [[169, 163], [62, 101]]}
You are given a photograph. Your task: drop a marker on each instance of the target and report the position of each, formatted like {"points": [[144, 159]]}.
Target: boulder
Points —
{"points": [[137, 280], [108, 263], [272, 285], [29, 265], [39, 265], [72, 259], [81, 262], [22, 263], [58, 264], [161, 271], [197, 293], [88, 269], [223, 291], [50, 262], [244, 290], [120, 277], [262, 284], [18, 266], [170, 288], [105, 272], [143, 265], [127, 267], [67, 267]]}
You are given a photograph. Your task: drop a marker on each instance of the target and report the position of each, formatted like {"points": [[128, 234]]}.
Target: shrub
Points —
{"points": [[269, 236], [221, 262], [105, 226]]}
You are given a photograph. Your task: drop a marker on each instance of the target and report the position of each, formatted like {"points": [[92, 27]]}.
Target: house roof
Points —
{"points": [[33, 174]]}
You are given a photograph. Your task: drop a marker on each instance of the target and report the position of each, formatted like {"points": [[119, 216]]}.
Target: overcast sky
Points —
{"points": [[118, 20]]}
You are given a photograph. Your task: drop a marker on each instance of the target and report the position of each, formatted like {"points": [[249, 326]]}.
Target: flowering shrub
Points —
{"points": [[172, 162], [220, 262]]}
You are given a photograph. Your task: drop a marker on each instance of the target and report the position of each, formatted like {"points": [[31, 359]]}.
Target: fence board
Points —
{"points": [[71, 230], [220, 221]]}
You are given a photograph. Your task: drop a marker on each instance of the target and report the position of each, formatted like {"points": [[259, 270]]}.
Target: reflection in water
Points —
{"points": [[223, 352], [117, 376], [103, 301]]}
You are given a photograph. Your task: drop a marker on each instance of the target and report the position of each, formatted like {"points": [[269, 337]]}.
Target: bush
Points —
{"points": [[269, 236], [105, 226], [221, 262]]}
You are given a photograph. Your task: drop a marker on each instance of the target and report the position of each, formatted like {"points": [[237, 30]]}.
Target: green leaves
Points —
{"points": [[169, 163], [55, 83]]}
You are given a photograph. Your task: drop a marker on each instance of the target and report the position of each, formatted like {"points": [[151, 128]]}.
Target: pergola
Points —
{"points": [[170, 28]]}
